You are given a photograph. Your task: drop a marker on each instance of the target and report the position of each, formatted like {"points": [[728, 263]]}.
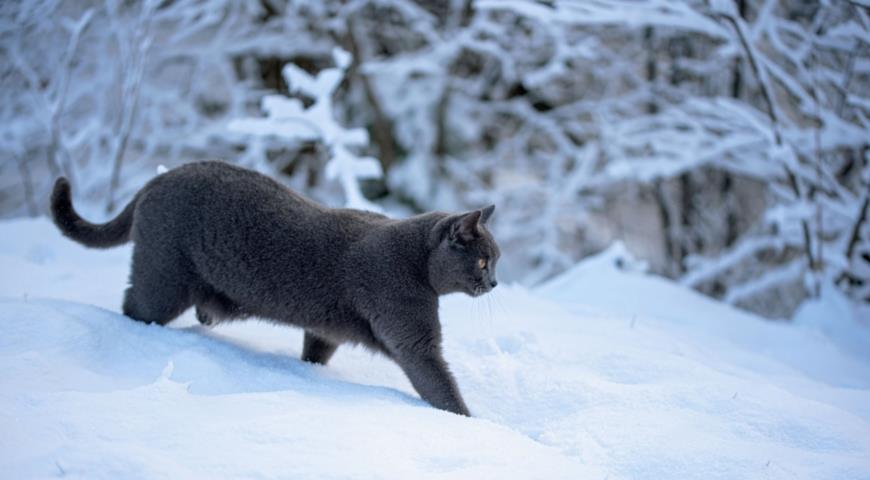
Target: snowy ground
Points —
{"points": [[602, 373]]}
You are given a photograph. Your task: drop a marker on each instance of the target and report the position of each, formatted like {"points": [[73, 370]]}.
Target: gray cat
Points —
{"points": [[235, 243]]}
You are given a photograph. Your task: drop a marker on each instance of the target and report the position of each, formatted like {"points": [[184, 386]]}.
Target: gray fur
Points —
{"points": [[235, 243]]}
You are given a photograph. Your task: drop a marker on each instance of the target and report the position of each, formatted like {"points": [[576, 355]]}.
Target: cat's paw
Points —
{"points": [[204, 317]]}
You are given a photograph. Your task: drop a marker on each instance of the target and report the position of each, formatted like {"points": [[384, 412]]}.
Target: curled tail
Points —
{"points": [[110, 234]]}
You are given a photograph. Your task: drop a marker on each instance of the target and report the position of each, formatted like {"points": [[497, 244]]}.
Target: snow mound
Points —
{"points": [[605, 372], [88, 393], [613, 283]]}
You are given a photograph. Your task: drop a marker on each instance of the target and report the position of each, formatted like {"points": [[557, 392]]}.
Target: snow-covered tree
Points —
{"points": [[723, 141], [289, 119]]}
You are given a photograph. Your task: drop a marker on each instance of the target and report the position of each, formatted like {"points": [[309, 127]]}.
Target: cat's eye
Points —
{"points": [[481, 262]]}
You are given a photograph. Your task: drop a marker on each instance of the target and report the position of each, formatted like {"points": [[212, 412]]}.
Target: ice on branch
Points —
{"points": [[289, 119]]}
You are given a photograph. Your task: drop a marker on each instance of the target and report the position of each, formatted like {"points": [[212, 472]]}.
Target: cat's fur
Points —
{"points": [[235, 243]]}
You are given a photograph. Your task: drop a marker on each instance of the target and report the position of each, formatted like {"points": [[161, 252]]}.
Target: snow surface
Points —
{"points": [[601, 373]]}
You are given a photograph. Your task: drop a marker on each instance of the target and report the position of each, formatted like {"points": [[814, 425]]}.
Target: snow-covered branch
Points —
{"points": [[290, 120]]}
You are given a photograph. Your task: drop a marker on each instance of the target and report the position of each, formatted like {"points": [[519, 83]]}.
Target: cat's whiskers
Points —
{"points": [[484, 319], [491, 316], [501, 303], [498, 302], [474, 311]]}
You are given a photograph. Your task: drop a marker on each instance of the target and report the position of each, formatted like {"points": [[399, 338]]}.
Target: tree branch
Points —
{"points": [[767, 94]]}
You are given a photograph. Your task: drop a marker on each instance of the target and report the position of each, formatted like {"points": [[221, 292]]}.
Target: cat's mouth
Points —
{"points": [[480, 289]]}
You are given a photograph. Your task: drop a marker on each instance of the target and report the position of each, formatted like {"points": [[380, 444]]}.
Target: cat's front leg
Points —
{"points": [[204, 317], [430, 376], [409, 333], [213, 308]]}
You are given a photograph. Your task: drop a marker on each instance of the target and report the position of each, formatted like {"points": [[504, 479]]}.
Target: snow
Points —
{"points": [[604, 372], [287, 118]]}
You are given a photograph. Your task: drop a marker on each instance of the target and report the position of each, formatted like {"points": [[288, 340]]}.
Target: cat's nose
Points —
{"points": [[493, 283]]}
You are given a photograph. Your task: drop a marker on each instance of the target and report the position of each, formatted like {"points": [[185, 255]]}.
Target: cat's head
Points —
{"points": [[464, 254]]}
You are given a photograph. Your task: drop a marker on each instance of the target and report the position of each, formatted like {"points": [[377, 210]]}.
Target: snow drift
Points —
{"points": [[602, 373]]}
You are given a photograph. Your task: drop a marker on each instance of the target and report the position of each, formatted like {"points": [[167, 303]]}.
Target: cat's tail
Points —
{"points": [[105, 235]]}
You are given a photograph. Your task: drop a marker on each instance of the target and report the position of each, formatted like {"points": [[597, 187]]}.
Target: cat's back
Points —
{"points": [[214, 210], [204, 185], [215, 195]]}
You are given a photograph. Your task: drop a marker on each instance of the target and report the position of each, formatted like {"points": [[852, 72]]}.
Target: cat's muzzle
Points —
{"points": [[481, 288]]}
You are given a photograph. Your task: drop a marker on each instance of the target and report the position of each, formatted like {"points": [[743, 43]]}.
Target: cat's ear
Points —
{"points": [[485, 213], [465, 227]]}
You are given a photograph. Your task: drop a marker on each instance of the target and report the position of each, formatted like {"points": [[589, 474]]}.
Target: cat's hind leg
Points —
{"points": [[317, 350], [156, 294]]}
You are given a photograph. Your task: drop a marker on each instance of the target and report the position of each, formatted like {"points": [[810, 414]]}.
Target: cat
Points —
{"points": [[235, 244]]}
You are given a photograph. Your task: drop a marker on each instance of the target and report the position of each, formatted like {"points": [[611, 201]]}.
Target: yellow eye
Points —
{"points": [[481, 262]]}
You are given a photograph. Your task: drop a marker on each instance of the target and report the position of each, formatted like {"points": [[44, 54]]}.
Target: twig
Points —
{"points": [[28, 187], [854, 237], [382, 127], [856, 229], [772, 112], [57, 107], [132, 81]]}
